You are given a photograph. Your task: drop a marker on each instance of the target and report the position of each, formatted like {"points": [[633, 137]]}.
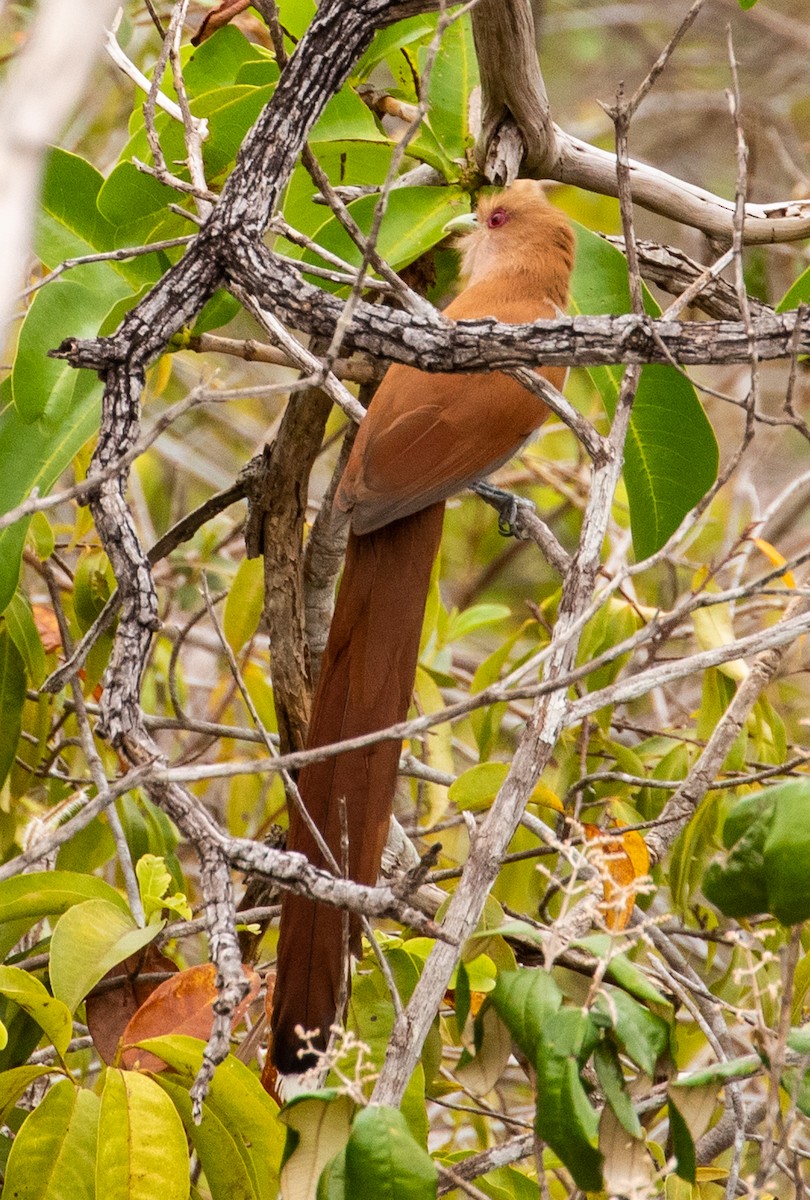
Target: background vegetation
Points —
{"points": [[628, 1015]]}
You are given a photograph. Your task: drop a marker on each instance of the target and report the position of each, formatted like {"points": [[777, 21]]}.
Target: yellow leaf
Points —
{"points": [[775, 559], [713, 629]]}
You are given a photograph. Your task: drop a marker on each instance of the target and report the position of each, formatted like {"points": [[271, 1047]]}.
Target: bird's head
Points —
{"points": [[517, 231]]}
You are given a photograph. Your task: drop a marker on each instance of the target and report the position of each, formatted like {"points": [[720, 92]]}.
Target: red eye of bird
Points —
{"points": [[497, 218]]}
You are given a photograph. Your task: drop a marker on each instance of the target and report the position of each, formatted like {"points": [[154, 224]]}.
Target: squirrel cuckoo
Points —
{"points": [[424, 438]]}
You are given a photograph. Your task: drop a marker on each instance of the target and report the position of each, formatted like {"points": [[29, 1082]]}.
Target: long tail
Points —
{"points": [[365, 684]]}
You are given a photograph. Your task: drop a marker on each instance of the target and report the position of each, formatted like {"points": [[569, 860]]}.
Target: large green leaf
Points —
{"points": [[768, 869], [383, 1159], [44, 893], [216, 1145], [221, 59], [671, 452], [525, 1000], [12, 699], [345, 163], [230, 112], [453, 76], [70, 306], [141, 1144], [390, 40], [798, 293], [414, 222], [641, 1034], [14, 1082], [135, 207], [565, 1118], [54, 1154], [90, 939], [70, 223], [238, 1100], [346, 119]]}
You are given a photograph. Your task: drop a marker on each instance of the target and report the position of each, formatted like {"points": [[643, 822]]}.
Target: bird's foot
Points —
{"points": [[506, 504]]}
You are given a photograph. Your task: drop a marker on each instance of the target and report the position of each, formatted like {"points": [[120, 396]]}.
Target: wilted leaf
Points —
{"points": [[109, 1009], [493, 1046], [627, 1167], [623, 861], [183, 1004]]}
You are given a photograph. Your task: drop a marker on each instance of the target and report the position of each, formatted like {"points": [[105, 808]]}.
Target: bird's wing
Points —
{"points": [[418, 450]]}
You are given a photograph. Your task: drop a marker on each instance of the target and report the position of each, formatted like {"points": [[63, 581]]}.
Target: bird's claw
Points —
{"points": [[507, 506]]}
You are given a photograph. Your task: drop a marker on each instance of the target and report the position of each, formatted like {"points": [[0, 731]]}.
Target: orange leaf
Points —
{"points": [[624, 860], [47, 627], [183, 1004], [219, 16]]}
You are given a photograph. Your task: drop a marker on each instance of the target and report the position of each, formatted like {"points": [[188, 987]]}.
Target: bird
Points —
{"points": [[424, 438]]}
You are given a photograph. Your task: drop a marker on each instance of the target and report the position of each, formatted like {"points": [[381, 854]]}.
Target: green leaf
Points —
{"points": [[452, 79], [384, 1160], [45, 893], [462, 995], [739, 887], [476, 788], [526, 999], [565, 1118], [93, 584], [54, 1154], [642, 1035], [611, 1080], [735, 1068], [50, 1014], [141, 1141], [682, 1144], [622, 971], [478, 617], [12, 699], [225, 1170], [787, 853], [135, 207], [768, 869], [69, 224], [230, 112], [799, 1040], [34, 456], [296, 15], [413, 223], [391, 39], [220, 60], [347, 119], [74, 307], [243, 604], [671, 452], [238, 1100], [154, 881], [90, 939], [799, 291], [23, 632]]}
